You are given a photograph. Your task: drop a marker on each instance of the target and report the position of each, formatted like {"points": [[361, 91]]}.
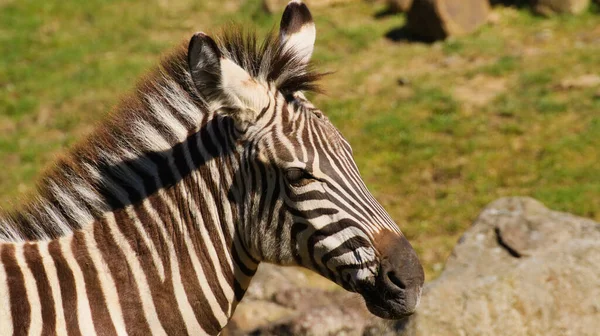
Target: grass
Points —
{"points": [[478, 117]]}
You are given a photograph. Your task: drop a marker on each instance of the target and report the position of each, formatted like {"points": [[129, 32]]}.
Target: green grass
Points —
{"points": [[432, 157]]}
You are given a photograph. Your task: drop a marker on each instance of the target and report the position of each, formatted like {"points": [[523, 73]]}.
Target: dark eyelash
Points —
{"points": [[301, 177]]}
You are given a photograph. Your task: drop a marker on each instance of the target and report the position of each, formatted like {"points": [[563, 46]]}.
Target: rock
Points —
{"points": [[439, 19], [279, 295], [521, 269], [399, 6], [551, 7], [345, 314], [256, 314]]}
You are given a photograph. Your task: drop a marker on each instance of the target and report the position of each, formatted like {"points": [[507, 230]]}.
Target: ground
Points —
{"points": [[438, 130]]}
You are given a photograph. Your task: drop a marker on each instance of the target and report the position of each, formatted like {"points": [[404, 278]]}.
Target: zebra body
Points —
{"points": [[157, 223]]}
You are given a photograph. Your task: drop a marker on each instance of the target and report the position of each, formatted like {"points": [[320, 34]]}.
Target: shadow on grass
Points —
{"points": [[509, 3], [403, 34], [388, 11]]}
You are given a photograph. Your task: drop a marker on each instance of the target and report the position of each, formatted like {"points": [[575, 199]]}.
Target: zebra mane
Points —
{"points": [[268, 60], [163, 111]]}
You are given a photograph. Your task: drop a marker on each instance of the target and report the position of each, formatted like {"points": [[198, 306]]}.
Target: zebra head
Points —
{"points": [[301, 198]]}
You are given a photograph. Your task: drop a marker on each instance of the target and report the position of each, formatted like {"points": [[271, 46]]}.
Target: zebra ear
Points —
{"points": [[297, 30], [204, 61], [222, 81]]}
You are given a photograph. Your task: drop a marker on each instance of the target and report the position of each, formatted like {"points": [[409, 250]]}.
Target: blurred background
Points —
{"points": [[444, 116]]}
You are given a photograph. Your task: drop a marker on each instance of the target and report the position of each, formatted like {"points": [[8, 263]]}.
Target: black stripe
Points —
{"points": [[34, 262], [347, 246], [19, 304], [238, 290], [68, 290], [101, 318], [243, 267]]}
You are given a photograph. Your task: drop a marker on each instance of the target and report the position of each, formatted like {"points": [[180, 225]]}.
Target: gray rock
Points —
{"points": [[347, 316], [551, 7], [521, 269], [288, 298], [439, 19]]}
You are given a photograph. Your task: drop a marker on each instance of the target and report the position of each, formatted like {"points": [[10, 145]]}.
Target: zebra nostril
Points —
{"points": [[395, 280], [348, 278]]}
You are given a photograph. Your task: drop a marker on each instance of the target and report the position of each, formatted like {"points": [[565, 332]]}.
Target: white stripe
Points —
{"points": [[5, 313], [177, 99], [206, 290], [210, 201], [49, 213], [151, 139], [107, 283], [31, 290], [166, 119], [349, 258], [8, 231], [214, 260], [84, 315], [190, 320], [48, 262], [91, 197], [192, 325], [138, 276], [121, 194], [72, 206]]}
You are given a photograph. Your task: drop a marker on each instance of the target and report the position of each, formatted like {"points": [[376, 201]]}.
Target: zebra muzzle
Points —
{"points": [[397, 288]]}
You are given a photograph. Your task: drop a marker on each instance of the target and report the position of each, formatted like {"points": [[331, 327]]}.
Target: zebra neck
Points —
{"points": [[109, 279], [160, 251]]}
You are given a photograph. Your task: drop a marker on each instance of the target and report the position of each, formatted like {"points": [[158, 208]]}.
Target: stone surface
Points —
{"points": [[280, 296], [550, 7], [521, 269], [399, 6], [321, 313], [439, 19]]}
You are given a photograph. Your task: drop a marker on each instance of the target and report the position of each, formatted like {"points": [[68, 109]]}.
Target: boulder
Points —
{"points": [[521, 269], [399, 6], [439, 19], [289, 301], [551, 7], [319, 313]]}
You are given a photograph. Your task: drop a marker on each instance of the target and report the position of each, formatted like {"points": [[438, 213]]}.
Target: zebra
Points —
{"points": [[156, 223]]}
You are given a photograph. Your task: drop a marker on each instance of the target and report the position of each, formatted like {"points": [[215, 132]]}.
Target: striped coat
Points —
{"points": [[157, 222]]}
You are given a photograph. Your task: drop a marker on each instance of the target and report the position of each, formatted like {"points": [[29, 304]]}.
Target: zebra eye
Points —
{"points": [[289, 97], [298, 177]]}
